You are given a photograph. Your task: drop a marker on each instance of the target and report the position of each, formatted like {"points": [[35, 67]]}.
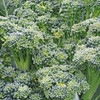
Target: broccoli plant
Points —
{"points": [[50, 15], [28, 44], [87, 53], [84, 28], [62, 82], [87, 57], [89, 60], [25, 79], [49, 49], [16, 91], [22, 87], [21, 40]]}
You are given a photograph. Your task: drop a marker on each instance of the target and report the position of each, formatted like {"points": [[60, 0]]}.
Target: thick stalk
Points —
{"points": [[94, 81], [89, 94], [21, 56], [27, 60], [88, 74], [97, 98], [24, 64], [20, 61]]}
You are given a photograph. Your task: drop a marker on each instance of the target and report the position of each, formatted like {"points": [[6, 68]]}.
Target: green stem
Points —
{"points": [[19, 59], [44, 28], [80, 13], [15, 57], [25, 64], [21, 56], [36, 66], [0, 43], [88, 74], [60, 42], [94, 76], [27, 60], [94, 81], [5, 8], [70, 56], [2, 13], [97, 98], [89, 94], [88, 12], [85, 2], [96, 12]]}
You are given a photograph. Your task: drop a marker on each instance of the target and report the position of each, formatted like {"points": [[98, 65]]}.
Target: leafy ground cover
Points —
{"points": [[49, 49]]}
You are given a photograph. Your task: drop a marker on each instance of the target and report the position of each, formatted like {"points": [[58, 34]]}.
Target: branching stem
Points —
{"points": [[6, 11]]}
